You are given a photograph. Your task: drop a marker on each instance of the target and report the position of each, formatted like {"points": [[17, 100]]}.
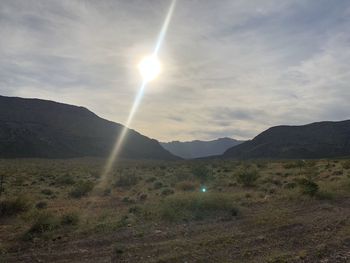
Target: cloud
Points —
{"points": [[230, 68]]}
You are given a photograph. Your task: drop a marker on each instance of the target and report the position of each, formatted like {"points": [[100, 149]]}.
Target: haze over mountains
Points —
{"points": [[41, 128], [315, 140], [197, 148]]}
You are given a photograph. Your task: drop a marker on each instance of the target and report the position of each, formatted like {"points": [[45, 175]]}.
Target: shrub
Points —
{"points": [[107, 191], [181, 175], [81, 189], [71, 218], [195, 206], [127, 180], [45, 222], [66, 179], [167, 191], [142, 196], [127, 199], [346, 164], [41, 205], [18, 181], [325, 195], [337, 173], [47, 192], [135, 210], [226, 170], [289, 165], [297, 164], [157, 185], [151, 179], [14, 206], [261, 164], [247, 177], [186, 186], [310, 163], [201, 172], [308, 187], [300, 164], [290, 185]]}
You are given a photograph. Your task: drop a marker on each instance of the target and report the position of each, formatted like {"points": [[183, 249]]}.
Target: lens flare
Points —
{"points": [[149, 68]]}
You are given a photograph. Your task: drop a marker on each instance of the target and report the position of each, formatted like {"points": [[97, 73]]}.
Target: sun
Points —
{"points": [[149, 67]]}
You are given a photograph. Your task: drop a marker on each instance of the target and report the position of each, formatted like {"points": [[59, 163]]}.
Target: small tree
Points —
{"points": [[247, 177], [201, 172], [308, 187], [81, 188]]}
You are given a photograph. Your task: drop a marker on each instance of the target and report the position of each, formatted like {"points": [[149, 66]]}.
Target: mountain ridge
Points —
{"points": [[31, 127], [315, 140], [198, 148]]}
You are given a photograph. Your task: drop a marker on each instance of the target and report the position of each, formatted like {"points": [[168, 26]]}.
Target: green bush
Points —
{"points": [[195, 206], [186, 186], [290, 185], [300, 164], [47, 192], [308, 187], [289, 165], [181, 175], [167, 191], [157, 185], [297, 164], [126, 180], [107, 192], [247, 177], [261, 164], [71, 218], [81, 189], [13, 206], [41, 205], [325, 195], [151, 179], [45, 222], [201, 172], [346, 164], [66, 179]]}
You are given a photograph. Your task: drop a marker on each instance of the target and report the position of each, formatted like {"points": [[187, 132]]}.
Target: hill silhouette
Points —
{"points": [[315, 140], [197, 149], [41, 128]]}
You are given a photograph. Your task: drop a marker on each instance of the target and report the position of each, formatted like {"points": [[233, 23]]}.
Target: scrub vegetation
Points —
{"points": [[150, 211]]}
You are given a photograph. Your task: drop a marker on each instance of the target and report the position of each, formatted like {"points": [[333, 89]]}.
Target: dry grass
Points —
{"points": [[144, 198]]}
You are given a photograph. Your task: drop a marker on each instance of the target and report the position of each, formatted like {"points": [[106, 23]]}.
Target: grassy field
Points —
{"points": [[251, 211]]}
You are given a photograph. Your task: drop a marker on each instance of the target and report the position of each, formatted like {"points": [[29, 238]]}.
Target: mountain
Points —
{"points": [[315, 140], [41, 128], [197, 149]]}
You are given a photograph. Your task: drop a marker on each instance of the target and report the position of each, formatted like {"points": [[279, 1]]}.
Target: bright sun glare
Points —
{"points": [[149, 67]]}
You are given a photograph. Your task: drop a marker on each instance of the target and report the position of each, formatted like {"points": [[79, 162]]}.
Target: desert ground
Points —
{"points": [[153, 211]]}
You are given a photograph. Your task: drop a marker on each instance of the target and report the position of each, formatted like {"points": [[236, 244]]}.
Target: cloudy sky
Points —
{"points": [[229, 67]]}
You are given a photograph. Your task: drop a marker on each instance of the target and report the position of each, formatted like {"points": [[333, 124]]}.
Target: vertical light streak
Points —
{"points": [[122, 135], [124, 132], [164, 29]]}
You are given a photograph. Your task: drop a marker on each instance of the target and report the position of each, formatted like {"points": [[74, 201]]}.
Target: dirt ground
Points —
{"points": [[272, 228]]}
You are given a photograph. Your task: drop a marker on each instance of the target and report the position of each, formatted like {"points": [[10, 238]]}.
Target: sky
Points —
{"points": [[230, 68]]}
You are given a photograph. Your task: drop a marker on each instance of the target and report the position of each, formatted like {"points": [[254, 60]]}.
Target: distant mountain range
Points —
{"points": [[41, 128], [315, 140], [47, 129], [197, 149]]}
